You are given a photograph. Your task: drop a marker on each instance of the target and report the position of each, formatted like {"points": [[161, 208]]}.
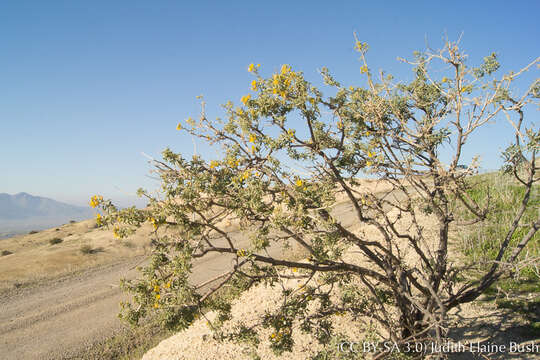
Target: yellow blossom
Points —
{"points": [[294, 269], [158, 296], [246, 98], [368, 133], [258, 65], [98, 219], [340, 124], [254, 85], [233, 162], [213, 164], [364, 69], [369, 163], [95, 200], [299, 182], [241, 253], [116, 234], [156, 288], [252, 138], [156, 305], [291, 132], [370, 154], [253, 148], [285, 69], [168, 285], [251, 67], [444, 79], [179, 126], [360, 46]]}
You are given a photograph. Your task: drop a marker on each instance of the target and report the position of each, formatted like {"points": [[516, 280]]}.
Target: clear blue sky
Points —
{"points": [[87, 86]]}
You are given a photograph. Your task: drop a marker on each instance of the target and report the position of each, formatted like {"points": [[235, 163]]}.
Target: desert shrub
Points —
{"points": [[72, 221], [33, 232], [55, 241], [288, 151], [86, 249], [6, 252]]}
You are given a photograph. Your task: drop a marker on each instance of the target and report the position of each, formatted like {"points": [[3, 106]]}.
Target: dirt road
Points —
{"points": [[65, 315]]}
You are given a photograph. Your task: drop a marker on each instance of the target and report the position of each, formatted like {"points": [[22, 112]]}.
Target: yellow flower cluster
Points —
{"points": [[154, 222], [254, 85], [233, 162], [179, 126], [291, 132], [277, 336], [213, 164], [241, 253], [98, 219], [360, 46], [366, 201], [245, 98], [95, 200], [246, 175], [252, 67], [284, 77], [299, 182], [364, 69], [252, 138], [115, 232]]}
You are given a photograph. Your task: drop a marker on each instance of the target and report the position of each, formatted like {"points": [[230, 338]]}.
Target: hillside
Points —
{"points": [[23, 212]]}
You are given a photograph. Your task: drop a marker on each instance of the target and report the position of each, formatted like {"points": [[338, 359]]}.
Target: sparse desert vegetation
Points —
{"points": [[55, 240], [35, 257]]}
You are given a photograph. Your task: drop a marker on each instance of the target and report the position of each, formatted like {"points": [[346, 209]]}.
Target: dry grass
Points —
{"points": [[33, 258]]}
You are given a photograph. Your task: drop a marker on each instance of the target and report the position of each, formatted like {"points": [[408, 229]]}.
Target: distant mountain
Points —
{"points": [[23, 212]]}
